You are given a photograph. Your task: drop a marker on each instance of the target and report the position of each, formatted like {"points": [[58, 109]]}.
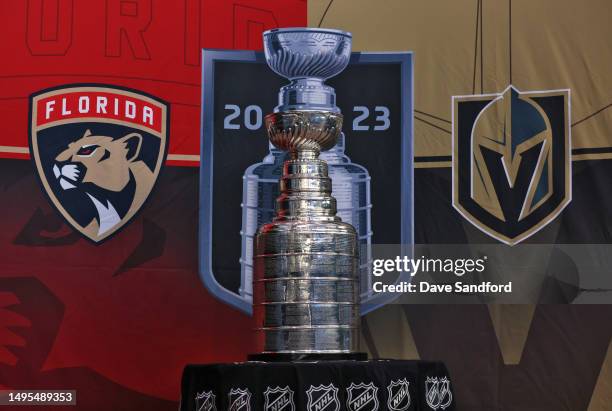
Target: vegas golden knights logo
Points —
{"points": [[511, 160], [98, 151]]}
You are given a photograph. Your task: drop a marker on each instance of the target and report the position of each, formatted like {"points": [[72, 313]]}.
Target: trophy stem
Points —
{"points": [[305, 154], [307, 94]]}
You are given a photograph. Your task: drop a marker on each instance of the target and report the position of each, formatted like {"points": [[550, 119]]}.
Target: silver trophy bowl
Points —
{"points": [[307, 57]]}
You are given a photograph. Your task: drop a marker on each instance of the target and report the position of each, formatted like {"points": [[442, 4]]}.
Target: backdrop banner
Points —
{"points": [[113, 275]]}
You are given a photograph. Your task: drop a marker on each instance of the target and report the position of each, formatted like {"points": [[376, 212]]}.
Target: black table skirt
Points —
{"points": [[394, 385]]}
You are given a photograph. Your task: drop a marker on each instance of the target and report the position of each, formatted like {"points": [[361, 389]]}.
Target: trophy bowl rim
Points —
{"points": [[282, 30]]}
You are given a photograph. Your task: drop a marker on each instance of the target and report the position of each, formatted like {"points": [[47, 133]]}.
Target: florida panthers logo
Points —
{"points": [[98, 152], [511, 160]]}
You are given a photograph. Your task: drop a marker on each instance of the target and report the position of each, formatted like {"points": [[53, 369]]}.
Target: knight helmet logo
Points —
{"points": [[362, 397], [205, 401], [323, 398], [437, 393], [511, 160], [279, 399], [98, 151], [399, 395], [239, 400]]}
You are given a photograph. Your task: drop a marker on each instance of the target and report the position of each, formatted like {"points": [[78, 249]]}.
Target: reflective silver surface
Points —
{"points": [[304, 130], [306, 281], [307, 57]]}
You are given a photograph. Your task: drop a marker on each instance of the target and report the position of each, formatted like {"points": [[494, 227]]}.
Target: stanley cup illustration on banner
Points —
{"points": [[374, 197], [305, 261]]}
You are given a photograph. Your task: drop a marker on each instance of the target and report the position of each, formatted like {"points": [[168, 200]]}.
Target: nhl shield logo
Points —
{"points": [[239, 400], [437, 393], [362, 397], [323, 398], [205, 401], [399, 395], [511, 160], [279, 399], [98, 151]]}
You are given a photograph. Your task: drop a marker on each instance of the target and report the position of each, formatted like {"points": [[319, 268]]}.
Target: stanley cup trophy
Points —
{"points": [[306, 275]]}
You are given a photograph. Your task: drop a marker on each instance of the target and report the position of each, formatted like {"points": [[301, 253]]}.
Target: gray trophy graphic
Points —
{"points": [[306, 260]]}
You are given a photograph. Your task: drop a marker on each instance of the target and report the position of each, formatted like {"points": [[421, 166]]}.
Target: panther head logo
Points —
{"points": [[98, 151], [104, 169]]}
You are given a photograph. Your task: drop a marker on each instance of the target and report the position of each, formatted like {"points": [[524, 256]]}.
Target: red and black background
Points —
{"points": [[118, 321]]}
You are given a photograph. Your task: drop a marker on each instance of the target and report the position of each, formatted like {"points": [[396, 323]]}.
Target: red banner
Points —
{"points": [[69, 316]]}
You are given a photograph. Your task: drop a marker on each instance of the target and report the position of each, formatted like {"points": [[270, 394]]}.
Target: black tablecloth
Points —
{"points": [[395, 385]]}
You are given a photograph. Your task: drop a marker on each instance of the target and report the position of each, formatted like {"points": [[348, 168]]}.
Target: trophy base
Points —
{"points": [[293, 357]]}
